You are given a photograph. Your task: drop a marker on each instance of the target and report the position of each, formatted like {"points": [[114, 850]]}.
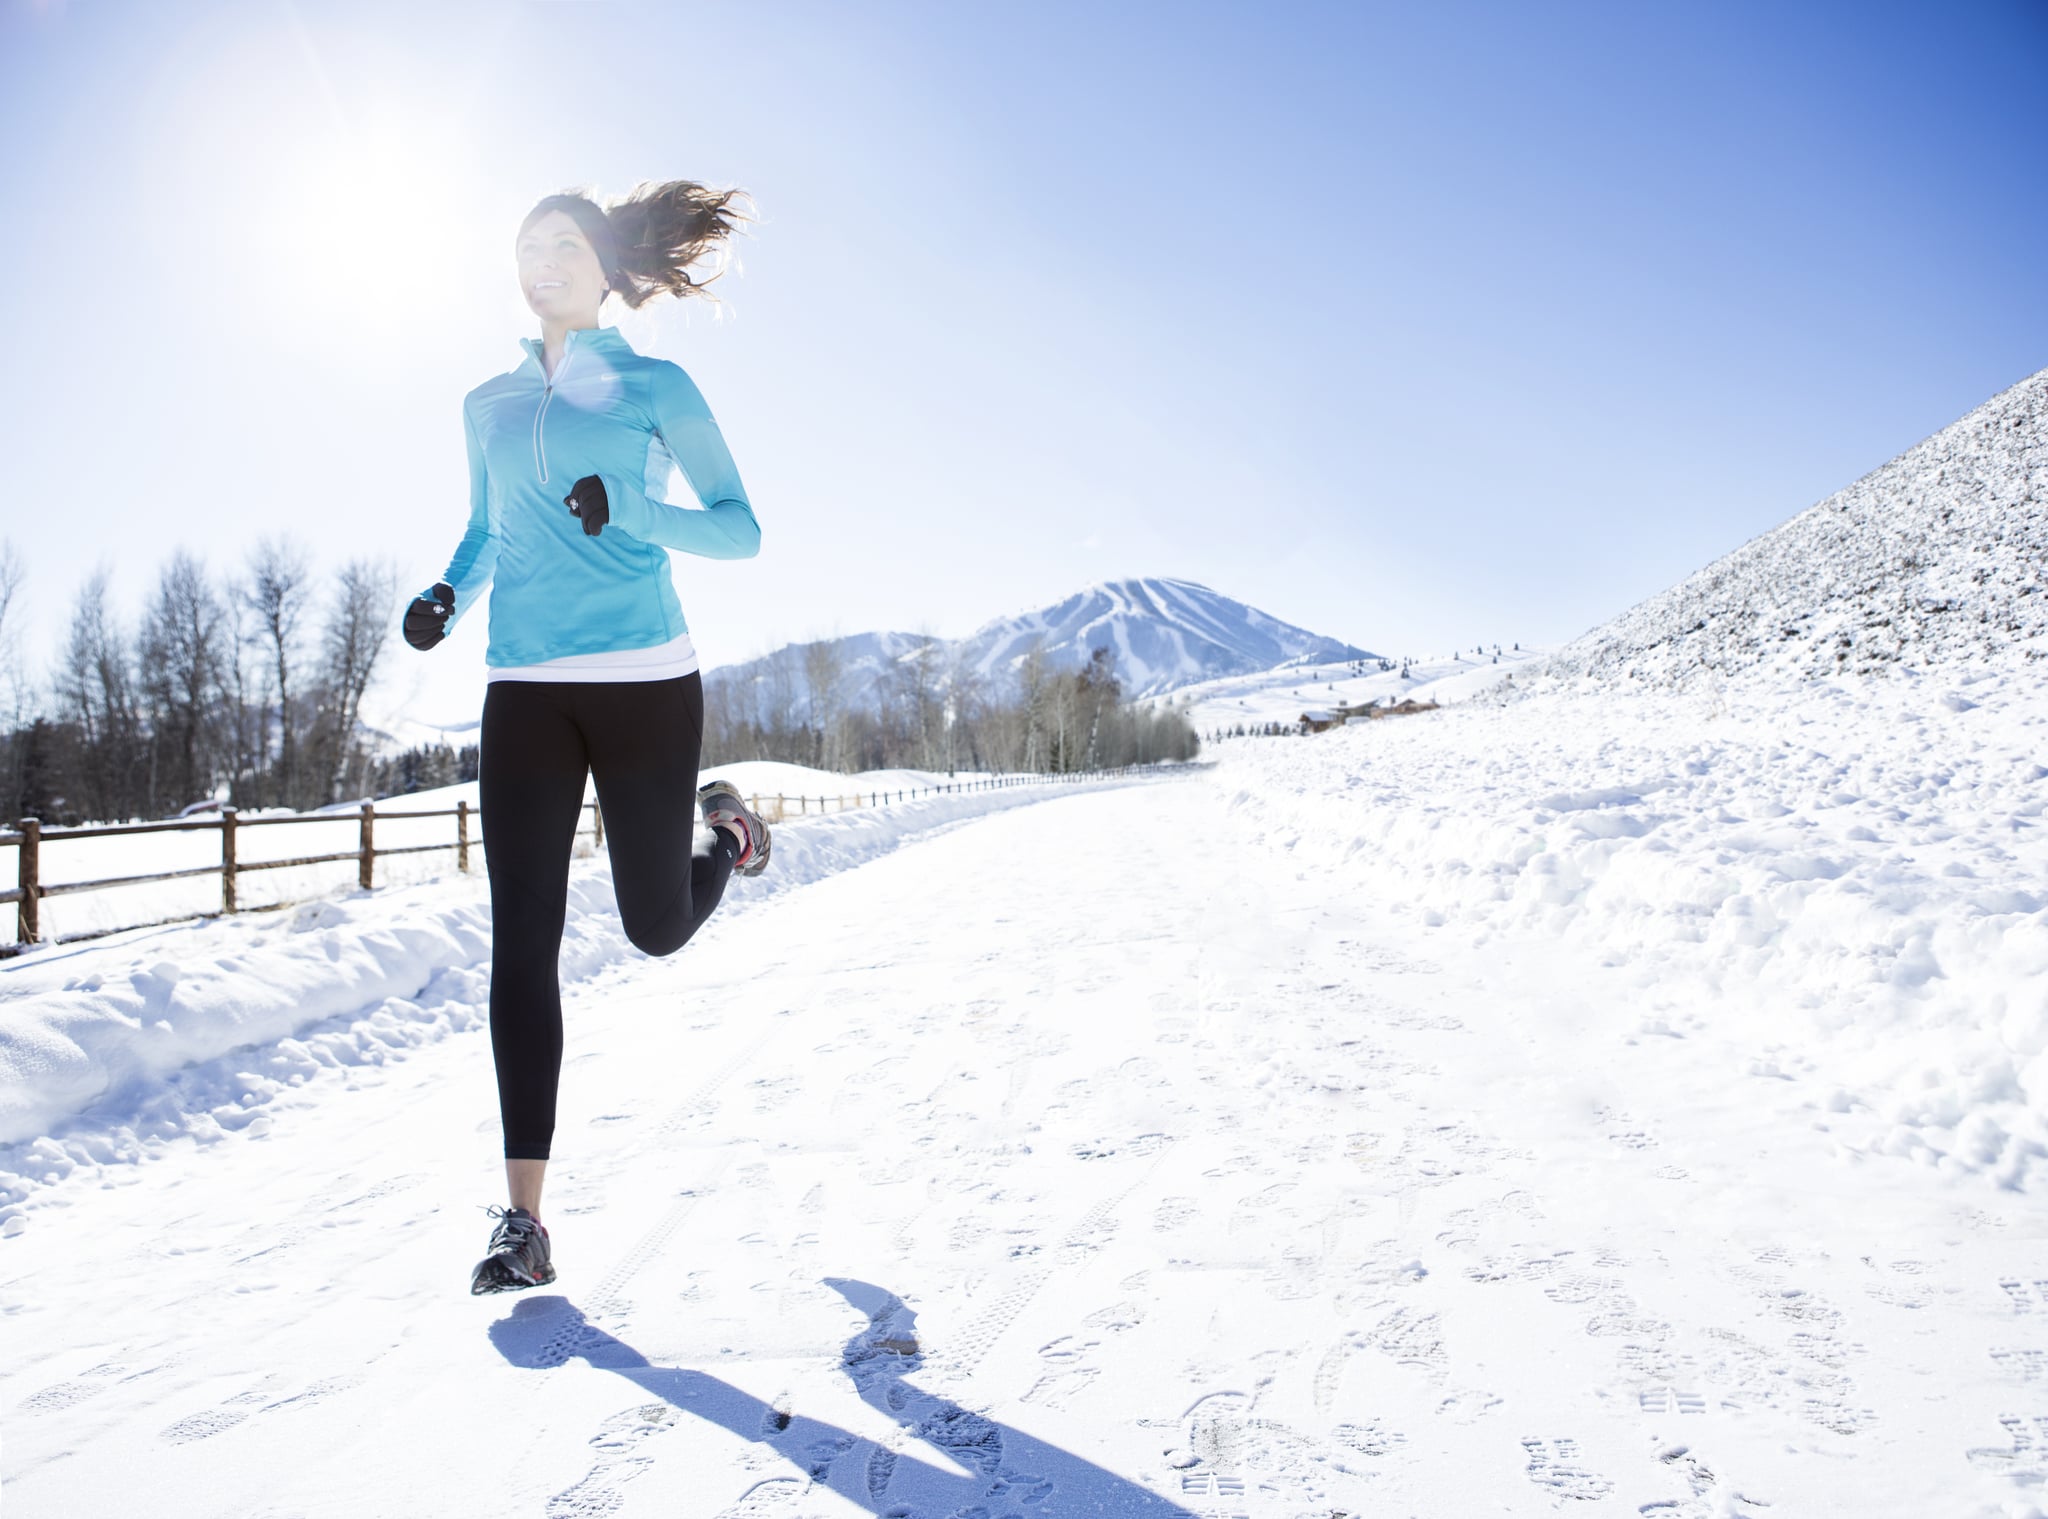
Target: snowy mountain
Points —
{"points": [[1165, 633], [1937, 559]]}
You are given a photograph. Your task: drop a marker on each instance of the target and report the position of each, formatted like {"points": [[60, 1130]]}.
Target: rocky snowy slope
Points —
{"points": [[1937, 559]]}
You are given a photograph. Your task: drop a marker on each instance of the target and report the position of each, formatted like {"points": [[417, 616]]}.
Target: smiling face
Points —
{"points": [[559, 273]]}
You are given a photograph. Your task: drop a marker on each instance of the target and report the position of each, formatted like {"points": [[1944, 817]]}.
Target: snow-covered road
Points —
{"points": [[1099, 1156]]}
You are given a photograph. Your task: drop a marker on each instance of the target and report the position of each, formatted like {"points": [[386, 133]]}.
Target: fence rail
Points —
{"points": [[29, 837]]}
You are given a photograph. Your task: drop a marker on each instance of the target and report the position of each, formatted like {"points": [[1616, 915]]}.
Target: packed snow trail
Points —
{"points": [[1096, 1157]]}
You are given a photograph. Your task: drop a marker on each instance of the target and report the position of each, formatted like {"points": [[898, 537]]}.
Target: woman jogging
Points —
{"points": [[592, 672]]}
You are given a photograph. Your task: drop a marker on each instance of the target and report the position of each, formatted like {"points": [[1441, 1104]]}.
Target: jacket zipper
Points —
{"points": [[540, 453]]}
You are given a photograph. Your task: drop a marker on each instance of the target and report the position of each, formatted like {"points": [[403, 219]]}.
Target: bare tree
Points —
{"points": [[21, 740], [821, 684], [244, 722], [276, 593], [182, 663], [96, 698], [966, 710], [13, 685], [1034, 690], [1096, 692], [914, 685], [777, 697], [359, 616]]}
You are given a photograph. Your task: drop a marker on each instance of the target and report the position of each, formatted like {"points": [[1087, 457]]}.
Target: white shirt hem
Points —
{"points": [[665, 661]]}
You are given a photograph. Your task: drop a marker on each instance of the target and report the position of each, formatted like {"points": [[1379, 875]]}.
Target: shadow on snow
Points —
{"points": [[1008, 1472]]}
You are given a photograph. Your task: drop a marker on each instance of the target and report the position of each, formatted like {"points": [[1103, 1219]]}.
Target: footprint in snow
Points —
{"points": [[1057, 1389], [1116, 1318], [2026, 1452], [2022, 1363], [1410, 1337], [1670, 1400], [2026, 1297], [61, 1395], [776, 1495], [1555, 1464], [1838, 1417], [202, 1426], [1371, 1438]]}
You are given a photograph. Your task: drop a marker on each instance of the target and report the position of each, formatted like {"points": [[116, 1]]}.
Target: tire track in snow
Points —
{"points": [[959, 1356], [622, 1435], [607, 1296]]}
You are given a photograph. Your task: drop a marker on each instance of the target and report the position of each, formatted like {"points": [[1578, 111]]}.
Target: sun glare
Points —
{"points": [[378, 221], [341, 200]]}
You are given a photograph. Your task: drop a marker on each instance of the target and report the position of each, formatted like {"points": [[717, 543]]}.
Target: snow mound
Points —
{"points": [[1939, 558], [1844, 878]]}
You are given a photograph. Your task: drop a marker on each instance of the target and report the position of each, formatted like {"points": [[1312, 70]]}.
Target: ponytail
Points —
{"points": [[648, 242], [663, 229]]}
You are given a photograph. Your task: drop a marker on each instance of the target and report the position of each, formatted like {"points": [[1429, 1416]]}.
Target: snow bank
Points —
{"points": [[338, 832], [1851, 875], [111, 1049]]}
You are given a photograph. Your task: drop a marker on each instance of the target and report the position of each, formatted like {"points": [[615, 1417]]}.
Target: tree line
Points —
{"points": [[249, 682], [931, 710]]}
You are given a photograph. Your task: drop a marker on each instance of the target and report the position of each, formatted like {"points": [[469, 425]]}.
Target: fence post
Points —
{"points": [[227, 859], [462, 835], [27, 914], [366, 870], [597, 821]]}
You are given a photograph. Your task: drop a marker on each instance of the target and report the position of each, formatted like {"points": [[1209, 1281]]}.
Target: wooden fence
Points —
{"points": [[29, 838]]}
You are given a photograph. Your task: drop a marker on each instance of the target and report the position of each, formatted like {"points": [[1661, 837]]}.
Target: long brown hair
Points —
{"points": [[647, 242]]}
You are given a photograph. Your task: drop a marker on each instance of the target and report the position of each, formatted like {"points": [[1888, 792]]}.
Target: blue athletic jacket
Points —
{"points": [[625, 418]]}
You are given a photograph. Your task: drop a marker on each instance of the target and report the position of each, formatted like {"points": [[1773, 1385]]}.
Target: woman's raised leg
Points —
{"points": [[644, 738]]}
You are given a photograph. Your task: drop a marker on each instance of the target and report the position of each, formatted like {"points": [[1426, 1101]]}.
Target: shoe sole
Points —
{"points": [[504, 1279], [759, 862]]}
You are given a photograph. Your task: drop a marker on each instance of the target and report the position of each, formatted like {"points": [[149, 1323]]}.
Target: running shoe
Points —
{"points": [[723, 808], [519, 1256]]}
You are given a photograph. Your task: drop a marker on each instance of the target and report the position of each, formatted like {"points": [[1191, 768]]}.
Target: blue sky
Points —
{"points": [[1417, 325]]}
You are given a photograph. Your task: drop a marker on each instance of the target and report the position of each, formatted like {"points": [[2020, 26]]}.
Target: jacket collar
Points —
{"points": [[581, 340]]}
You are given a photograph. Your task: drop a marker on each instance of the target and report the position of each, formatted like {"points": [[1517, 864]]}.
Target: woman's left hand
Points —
{"points": [[588, 503]]}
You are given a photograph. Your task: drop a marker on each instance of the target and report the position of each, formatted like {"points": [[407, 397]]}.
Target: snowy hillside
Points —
{"points": [[1937, 559], [1165, 633]]}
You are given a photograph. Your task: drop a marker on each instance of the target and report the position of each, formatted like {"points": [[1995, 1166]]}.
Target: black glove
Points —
{"points": [[587, 501], [426, 620]]}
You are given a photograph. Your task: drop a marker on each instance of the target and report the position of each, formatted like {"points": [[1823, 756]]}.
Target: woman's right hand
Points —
{"points": [[426, 620]]}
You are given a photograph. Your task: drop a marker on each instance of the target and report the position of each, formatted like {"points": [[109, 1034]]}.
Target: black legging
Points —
{"points": [[540, 738]]}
